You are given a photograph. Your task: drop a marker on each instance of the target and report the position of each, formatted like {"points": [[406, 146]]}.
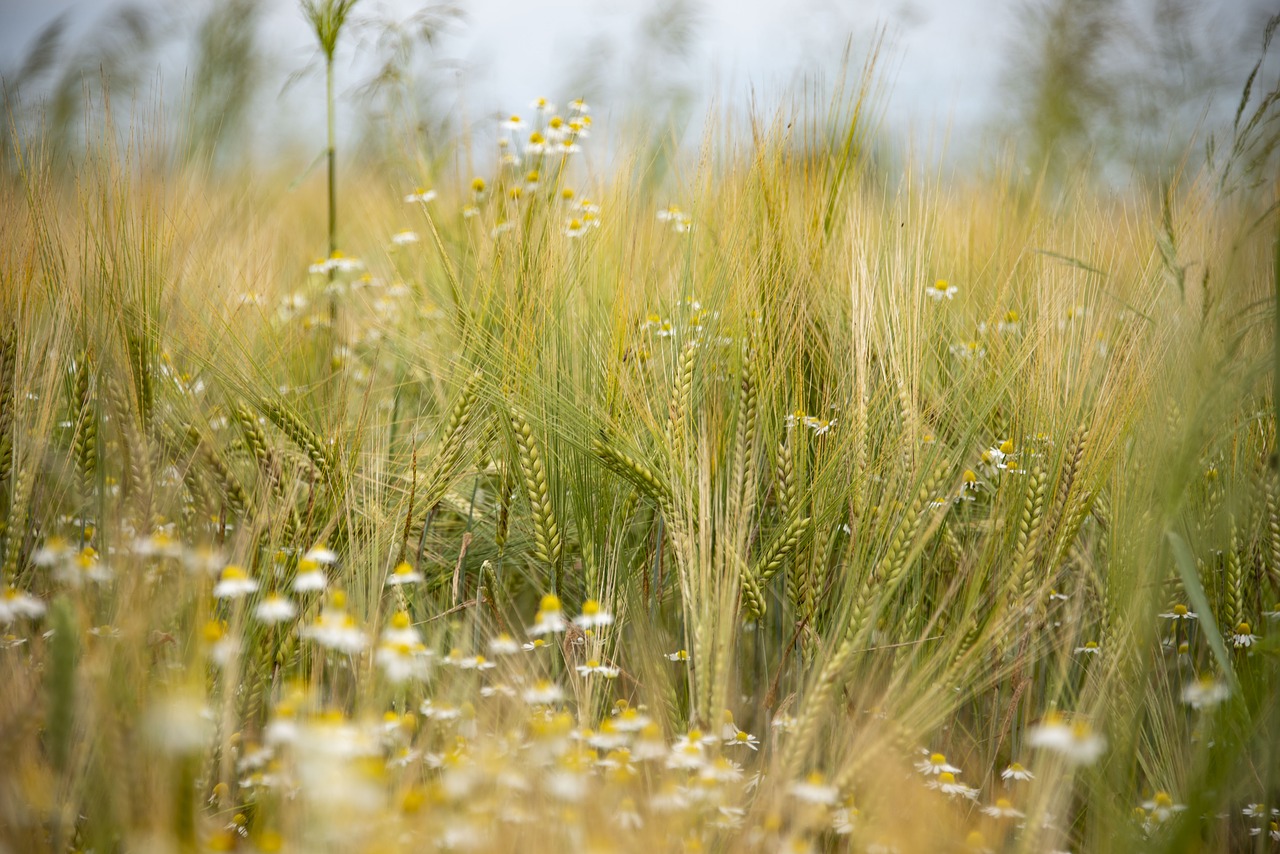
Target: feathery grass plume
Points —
{"points": [[546, 531]]}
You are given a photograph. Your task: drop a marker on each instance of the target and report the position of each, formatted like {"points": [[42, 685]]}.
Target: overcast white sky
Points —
{"points": [[943, 66]]}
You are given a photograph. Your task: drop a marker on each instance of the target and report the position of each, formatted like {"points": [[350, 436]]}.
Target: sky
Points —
{"points": [[944, 65]]}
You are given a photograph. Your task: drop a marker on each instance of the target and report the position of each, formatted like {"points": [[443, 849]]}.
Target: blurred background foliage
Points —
{"points": [[1124, 88]]}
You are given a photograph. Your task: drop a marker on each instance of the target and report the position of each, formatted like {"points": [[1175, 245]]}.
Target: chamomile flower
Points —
{"points": [[970, 485], [1016, 771], [1076, 741], [503, 644], [85, 566], [814, 790], [1161, 807], [820, 426], [1274, 613], [402, 662], [968, 351], [1205, 692], [542, 105], [311, 577], [275, 609], [15, 604], [403, 574], [1003, 808], [679, 655], [1243, 637], [592, 616], [579, 106], [669, 213], [594, 667], [1010, 324], [543, 693], [234, 584], [420, 195], [321, 554], [940, 290], [742, 738], [934, 764], [575, 228], [336, 629], [537, 143], [1089, 648], [513, 122], [1179, 612], [947, 784], [404, 238], [549, 619]]}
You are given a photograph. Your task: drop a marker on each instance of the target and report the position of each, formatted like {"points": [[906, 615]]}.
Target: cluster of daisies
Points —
{"points": [[533, 155]]}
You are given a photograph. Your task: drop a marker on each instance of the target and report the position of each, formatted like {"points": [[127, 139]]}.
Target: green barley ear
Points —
{"points": [[506, 487], [455, 433], [8, 401], [15, 529], [753, 601], [232, 492], [60, 682], [786, 486], [85, 443], [627, 466], [1235, 577], [134, 452], [1272, 521], [546, 532], [408, 515], [681, 401], [742, 483], [1029, 524], [306, 440], [270, 468], [774, 558]]}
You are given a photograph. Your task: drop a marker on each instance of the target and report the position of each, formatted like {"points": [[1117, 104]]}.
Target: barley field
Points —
{"points": [[773, 507]]}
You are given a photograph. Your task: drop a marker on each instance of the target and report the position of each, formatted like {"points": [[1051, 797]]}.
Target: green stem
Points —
{"points": [[333, 191]]}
